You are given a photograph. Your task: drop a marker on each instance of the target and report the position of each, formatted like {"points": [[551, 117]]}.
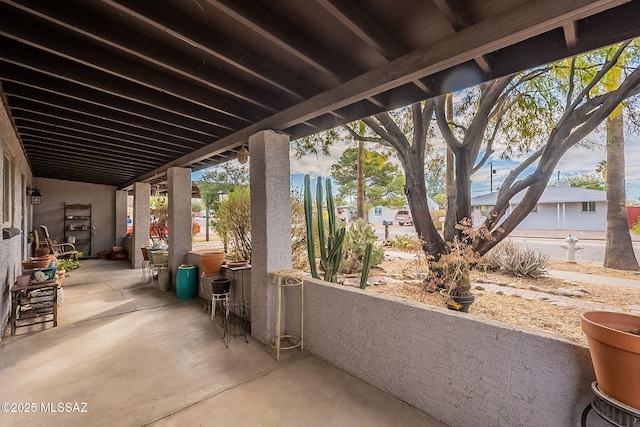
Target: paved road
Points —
{"points": [[548, 241]]}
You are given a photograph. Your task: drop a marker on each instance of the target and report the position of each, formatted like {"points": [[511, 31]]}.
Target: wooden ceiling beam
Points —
{"points": [[365, 28], [268, 25], [89, 115], [45, 63], [214, 44], [82, 151], [137, 73], [90, 138], [92, 26], [53, 117], [19, 80]]}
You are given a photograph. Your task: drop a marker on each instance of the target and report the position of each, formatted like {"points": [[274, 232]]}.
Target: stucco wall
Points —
{"points": [[55, 193], [12, 250], [458, 368]]}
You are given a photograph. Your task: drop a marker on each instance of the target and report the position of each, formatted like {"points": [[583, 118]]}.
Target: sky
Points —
{"points": [[576, 161]]}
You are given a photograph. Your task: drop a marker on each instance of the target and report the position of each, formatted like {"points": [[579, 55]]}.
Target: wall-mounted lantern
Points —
{"points": [[36, 197]]}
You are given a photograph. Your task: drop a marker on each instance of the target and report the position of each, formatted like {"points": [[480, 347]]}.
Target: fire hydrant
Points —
{"points": [[571, 247]]}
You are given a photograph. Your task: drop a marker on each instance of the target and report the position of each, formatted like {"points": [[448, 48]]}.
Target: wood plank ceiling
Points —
{"points": [[116, 91]]}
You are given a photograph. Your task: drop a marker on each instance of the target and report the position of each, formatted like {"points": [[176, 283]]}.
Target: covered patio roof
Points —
{"points": [[117, 91]]}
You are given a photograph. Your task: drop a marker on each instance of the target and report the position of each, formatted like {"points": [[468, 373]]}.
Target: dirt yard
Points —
{"points": [[538, 306]]}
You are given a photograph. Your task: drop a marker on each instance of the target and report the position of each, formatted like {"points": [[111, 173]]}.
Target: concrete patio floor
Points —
{"points": [[128, 354]]}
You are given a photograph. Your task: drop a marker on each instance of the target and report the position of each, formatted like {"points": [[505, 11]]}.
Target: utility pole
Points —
{"points": [[491, 177]]}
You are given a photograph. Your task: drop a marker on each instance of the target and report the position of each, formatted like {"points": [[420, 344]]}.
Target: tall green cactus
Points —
{"points": [[366, 265], [331, 244], [308, 216]]}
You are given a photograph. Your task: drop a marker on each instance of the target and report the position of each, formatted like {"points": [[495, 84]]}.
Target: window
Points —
{"points": [[588, 206], [377, 211], [7, 192]]}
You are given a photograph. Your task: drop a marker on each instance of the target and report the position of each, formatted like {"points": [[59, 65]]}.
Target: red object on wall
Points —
{"points": [[633, 215]]}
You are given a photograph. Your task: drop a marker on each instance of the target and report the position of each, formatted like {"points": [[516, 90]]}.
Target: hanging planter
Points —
{"points": [[614, 344]]}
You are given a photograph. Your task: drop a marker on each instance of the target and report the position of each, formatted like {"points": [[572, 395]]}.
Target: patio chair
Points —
{"points": [[59, 250], [40, 247]]}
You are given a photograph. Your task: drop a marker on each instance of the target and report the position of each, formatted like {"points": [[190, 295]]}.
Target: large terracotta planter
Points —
{"points": [[615, 353], [211, 263]]}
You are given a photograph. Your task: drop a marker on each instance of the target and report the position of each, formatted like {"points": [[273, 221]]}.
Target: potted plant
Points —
{"points": [[452, 272], [614, 345]]}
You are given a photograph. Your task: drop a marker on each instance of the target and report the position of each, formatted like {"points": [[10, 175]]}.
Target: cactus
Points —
{"points": [[308, 216], [331, 244], [367, 266]]}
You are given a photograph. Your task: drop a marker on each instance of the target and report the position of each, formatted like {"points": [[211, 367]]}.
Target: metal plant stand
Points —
{"points": [[616, 413], [286, 279], [240, 305]]}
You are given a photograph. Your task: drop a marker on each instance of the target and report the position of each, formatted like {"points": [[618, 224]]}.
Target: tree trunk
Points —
{"points": [[360, 192], [618, 252], [416, 192], [450, 205]]}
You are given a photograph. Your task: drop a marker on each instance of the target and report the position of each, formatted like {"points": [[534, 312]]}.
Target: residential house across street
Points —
{"points": [[561, 207]]}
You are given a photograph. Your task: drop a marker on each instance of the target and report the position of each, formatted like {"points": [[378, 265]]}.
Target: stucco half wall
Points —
{"points": [[458, 368]]}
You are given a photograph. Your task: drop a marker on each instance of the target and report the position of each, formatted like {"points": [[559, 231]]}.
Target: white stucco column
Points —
{"points": [[121, 216], [141, 196], [270, 225], [179, 195]]}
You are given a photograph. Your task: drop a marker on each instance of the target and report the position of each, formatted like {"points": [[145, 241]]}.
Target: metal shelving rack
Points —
{"points": [[77, 223]]}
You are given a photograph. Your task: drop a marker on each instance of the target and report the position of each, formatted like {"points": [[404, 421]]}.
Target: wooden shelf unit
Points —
{"points": [[77, 223]]}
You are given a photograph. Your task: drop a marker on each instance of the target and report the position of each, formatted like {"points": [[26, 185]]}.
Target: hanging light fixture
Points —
{"points": [[243, 155], [36, 197]]}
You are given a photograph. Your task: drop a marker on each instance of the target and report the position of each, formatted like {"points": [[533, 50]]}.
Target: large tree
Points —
{"points": [[542, 112]]}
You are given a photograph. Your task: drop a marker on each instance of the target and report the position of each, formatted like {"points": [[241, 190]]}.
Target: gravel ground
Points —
{"points": [[405, 278]]}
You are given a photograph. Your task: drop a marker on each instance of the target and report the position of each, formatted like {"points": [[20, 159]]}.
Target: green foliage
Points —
{"points": [[196, 206], [298, 232], [435, 175], [359, 235], [440, 199], [511, 259], [403, 242], [636, 227], [67, 264], [591, 180], [223, 179], [384, 184], [234, 223]]}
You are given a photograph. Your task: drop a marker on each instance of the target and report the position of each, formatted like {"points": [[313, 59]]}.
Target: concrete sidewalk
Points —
{"points": [[126, 354]]}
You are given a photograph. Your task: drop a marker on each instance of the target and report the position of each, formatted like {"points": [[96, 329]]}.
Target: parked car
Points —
{"points": [[404, 217]]}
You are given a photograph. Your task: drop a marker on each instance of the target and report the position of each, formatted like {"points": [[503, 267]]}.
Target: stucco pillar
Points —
{"points": [[270, 225], [179, 187], [141, 196], [121, 216]]}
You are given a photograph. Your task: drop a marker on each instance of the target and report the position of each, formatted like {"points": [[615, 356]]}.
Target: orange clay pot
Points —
{"points": [[211, 263], [615, 353]]}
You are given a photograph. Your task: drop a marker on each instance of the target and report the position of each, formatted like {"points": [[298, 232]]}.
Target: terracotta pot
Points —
{"points": [[211, 263], [615, 353]]}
